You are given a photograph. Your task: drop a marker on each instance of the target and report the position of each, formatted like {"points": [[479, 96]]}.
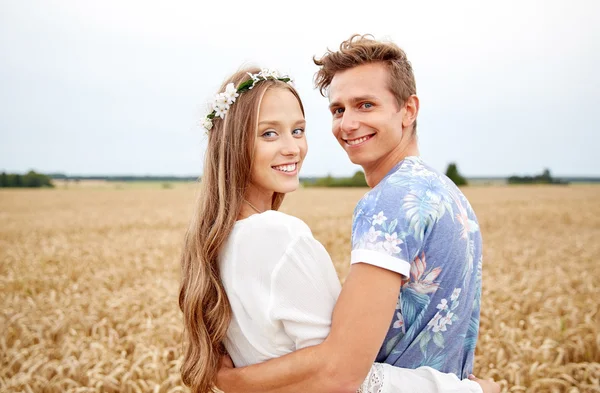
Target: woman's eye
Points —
{"points": [[269, 134], [298, 131]]}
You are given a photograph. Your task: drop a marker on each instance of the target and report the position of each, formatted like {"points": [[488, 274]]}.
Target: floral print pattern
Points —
{"points": [[417, 215]]}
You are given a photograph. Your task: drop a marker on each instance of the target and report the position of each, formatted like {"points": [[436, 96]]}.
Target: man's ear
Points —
{"points": [[411, 110]]}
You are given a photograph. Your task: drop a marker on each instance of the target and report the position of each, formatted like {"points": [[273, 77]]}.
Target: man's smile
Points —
{"points": [[358, 141]]}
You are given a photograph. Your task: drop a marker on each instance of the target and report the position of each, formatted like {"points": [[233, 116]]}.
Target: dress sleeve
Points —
{"points": [[305, 288], [385, 378]]}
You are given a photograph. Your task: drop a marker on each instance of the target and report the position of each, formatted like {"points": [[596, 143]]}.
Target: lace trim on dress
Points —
{"points": [[374, 381]]}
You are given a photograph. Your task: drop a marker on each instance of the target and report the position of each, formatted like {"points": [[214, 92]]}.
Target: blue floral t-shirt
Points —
{"points": [[418, 223]]}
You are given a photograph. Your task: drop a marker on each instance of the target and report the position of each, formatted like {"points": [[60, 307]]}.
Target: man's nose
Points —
{"points": [[349, 122]]}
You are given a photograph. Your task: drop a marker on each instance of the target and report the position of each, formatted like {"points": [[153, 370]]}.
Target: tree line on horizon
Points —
{"points": [[544, 178], [359, 180], [31, 179]]}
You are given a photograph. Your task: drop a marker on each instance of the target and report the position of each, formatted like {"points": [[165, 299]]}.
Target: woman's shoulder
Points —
{"points": [[273, 222], [264, 239]]}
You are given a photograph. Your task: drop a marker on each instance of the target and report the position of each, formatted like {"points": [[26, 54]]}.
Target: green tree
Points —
{"points": [[455, 176], [325, 181], [10, 180], [545, 177], [32, 179], [359, 180]]}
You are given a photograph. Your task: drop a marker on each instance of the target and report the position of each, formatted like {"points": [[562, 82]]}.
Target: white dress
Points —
{"points": [[282, 288]]}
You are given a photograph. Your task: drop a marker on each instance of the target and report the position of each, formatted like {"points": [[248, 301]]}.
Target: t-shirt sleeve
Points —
{"points": [[305, 288], [384, 235]]}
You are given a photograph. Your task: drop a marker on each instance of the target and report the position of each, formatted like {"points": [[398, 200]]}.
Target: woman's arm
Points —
{"points": [[305, 290]]}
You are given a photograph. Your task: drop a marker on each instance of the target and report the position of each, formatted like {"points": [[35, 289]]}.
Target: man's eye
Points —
{"points": [[338, 111], [367, 105]]}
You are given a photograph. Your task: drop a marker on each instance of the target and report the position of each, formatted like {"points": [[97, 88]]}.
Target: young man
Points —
{"points": [[415, 280]]}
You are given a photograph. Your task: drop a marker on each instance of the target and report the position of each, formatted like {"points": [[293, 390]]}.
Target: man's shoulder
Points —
{"points": [[414, 194], [411, 176]]}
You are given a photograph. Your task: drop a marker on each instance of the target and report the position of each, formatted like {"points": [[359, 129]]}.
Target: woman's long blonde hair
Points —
{"points": [[227, 174]]}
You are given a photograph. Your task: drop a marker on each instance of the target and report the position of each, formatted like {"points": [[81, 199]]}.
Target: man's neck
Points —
{"points": [[375, 173]]}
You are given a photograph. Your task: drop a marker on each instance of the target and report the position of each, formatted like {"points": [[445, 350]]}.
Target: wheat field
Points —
{"points": [[89, 281]]}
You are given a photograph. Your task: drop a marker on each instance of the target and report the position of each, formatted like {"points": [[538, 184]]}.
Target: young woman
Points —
{"points": [[255, 282]]}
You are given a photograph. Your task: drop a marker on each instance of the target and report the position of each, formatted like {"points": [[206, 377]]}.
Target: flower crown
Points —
{"points": [[223, 101]]}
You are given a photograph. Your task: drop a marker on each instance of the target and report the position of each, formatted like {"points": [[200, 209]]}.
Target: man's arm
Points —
{"points": [[361, 319]]}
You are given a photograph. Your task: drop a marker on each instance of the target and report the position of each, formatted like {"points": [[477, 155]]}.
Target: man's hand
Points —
{"points": [[488, 385]]}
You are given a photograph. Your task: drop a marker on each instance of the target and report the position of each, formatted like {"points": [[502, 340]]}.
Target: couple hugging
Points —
{"points": [[258, 291]]}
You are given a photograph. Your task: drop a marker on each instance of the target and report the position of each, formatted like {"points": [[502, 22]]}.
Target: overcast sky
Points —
{"points": [[119, 87]]}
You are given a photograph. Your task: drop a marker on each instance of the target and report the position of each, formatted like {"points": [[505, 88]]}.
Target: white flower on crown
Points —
{"points": [[222, 102], [230, 93], [255, 78], [220, 105], [264, 73], [207, 124], [220, 112]]}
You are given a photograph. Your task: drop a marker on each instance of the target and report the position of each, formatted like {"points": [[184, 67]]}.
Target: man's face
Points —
{"points": [[367, 120]]}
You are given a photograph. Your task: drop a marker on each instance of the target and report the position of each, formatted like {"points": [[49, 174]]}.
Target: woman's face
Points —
{"points": [[280, 145]]}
